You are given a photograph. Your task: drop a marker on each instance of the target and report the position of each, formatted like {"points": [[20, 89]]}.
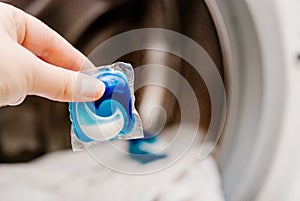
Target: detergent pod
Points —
{"points": [[111, 117]]}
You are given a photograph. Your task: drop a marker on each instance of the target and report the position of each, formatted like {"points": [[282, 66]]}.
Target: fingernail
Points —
{"points": [[91, 87], [86, 64]]}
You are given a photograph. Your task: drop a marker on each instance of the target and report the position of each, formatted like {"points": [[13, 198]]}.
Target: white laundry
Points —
{"points": [[76, 176], [65, 175]]}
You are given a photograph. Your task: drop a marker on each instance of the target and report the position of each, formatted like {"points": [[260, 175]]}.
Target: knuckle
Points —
{"points": [[31, 81], [48, 50], [66, 89], [12, 20], [4, 90]]}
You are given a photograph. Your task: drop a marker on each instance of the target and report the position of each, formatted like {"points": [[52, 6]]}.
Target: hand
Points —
{"points": [[35, 60]]}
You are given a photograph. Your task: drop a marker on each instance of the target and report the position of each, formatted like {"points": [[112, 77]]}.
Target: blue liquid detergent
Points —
{"points": [[109, 117], [140, 154]]}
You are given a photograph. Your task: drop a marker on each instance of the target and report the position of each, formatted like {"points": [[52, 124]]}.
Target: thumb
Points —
{"points": [[22, 73], [64, 85]]}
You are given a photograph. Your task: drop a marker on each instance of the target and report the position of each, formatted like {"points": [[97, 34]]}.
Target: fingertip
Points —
{"points": [[85, 63]]}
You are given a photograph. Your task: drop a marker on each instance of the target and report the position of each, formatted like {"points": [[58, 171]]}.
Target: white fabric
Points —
{"points": [[67, 175]]}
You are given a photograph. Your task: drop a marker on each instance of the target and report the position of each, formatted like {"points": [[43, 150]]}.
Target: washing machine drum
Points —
{"points": [[241, 38]]}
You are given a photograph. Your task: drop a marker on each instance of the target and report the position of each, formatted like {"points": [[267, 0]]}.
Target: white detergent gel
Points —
{"points": [[106, 127]]}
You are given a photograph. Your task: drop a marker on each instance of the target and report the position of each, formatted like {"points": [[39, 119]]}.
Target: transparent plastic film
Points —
{"points": [[113, 116]]}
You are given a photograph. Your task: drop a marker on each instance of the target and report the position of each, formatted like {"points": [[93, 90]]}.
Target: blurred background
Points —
{"points": [[39, 128], [86, 24], [254, 45]]}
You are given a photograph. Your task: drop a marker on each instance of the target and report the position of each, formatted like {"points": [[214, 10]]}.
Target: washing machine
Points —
{"points": [[255, 46], [261, 41]]}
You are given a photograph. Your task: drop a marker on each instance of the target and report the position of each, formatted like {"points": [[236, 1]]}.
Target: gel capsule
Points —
{"points": [[113, 116]]}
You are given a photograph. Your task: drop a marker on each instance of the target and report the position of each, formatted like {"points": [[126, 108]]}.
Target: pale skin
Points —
{"points": [[35, 60]]}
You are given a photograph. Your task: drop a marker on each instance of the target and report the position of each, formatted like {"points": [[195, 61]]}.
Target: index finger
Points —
{"points": [[50, 46]]}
